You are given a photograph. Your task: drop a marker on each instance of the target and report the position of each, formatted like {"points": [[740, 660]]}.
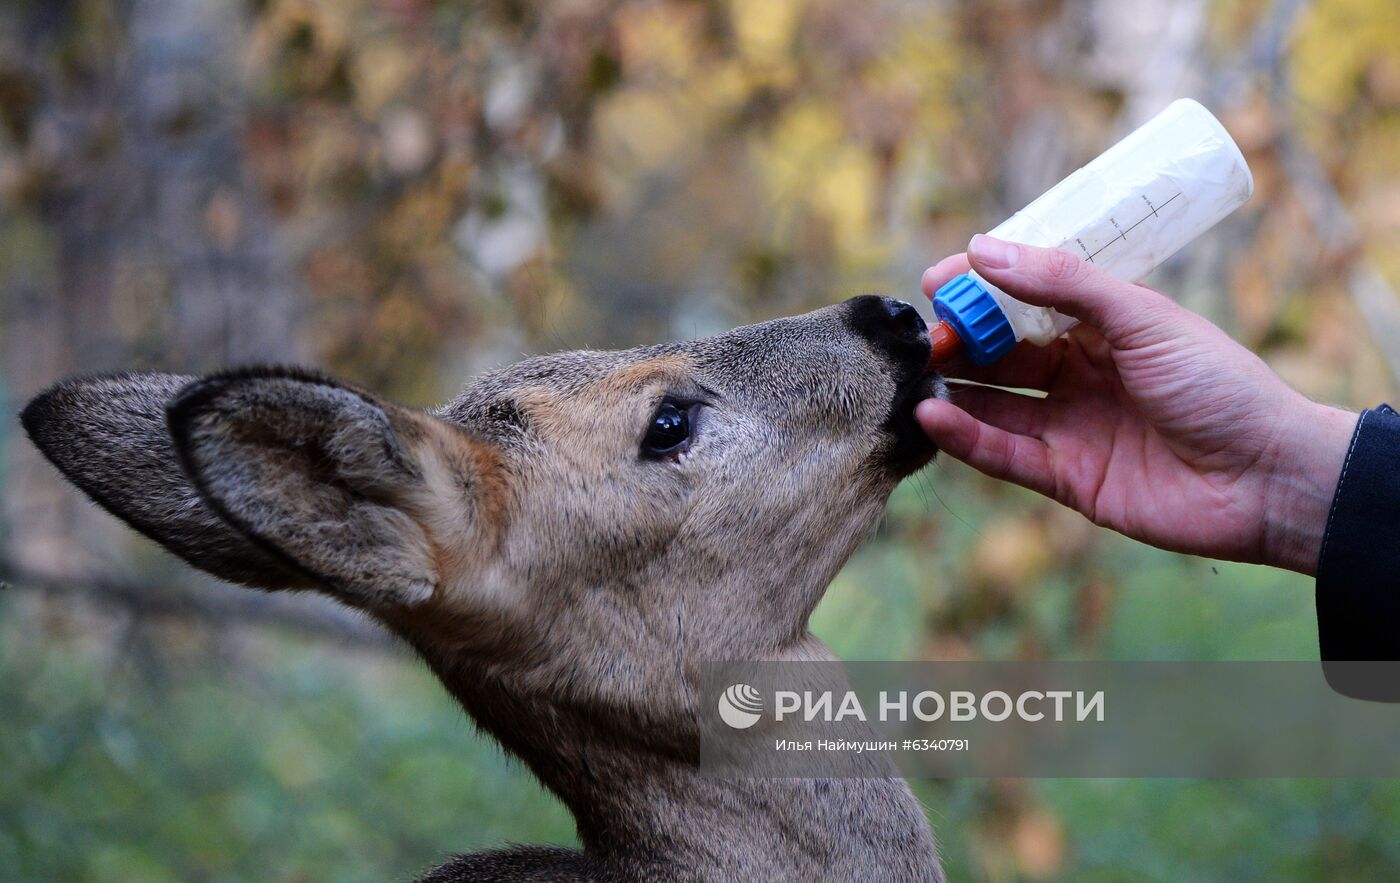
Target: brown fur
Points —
{"points": [[565, 587]]}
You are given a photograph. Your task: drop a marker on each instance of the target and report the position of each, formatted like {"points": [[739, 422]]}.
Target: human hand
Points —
{"points": [[1155, 422]]}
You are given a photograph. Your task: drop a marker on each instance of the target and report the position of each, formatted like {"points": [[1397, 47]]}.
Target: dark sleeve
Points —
{"points": [[1358, 571]]}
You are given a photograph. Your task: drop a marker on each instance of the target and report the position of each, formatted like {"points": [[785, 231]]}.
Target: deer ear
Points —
{"points": [[108, 436], [323, 477]]}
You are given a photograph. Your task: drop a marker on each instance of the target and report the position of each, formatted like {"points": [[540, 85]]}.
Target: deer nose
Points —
{"points": [[904, 317], [893, 326]]}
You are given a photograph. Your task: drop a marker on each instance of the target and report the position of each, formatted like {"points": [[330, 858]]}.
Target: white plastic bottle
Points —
{"points": [[1127, 211]]}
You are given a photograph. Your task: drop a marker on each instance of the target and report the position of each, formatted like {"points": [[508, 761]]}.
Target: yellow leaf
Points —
{"points": [[764, 27]]}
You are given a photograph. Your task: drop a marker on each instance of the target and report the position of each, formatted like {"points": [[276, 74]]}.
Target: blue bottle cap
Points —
{"points": [[967, 306]]}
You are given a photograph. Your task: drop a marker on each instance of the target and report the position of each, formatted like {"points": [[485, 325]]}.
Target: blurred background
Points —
{"points": [[408, 192]]}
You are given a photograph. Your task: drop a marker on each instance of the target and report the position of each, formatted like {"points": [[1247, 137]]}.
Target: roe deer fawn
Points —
{"points": [[565, 543]]}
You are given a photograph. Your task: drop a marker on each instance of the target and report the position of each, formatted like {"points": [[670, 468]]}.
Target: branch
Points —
{"points": [[210, 605], [1327, 211], [1374, 297]]}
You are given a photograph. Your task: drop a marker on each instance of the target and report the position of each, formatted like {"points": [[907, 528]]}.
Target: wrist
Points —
{"points": [[1303, 468]]}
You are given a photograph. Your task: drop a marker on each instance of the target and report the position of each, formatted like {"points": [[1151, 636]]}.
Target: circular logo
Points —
{"points": [[740, 706]]}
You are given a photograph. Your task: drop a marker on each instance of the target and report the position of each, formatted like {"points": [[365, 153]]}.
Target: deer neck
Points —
{"points": [[670, 822], [645, 811]]}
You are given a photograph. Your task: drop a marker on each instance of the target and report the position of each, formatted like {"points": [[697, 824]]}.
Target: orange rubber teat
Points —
{"points": [[946, 343]]}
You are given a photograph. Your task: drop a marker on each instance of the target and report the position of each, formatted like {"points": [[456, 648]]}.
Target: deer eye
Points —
{"points": [[669, 430]]}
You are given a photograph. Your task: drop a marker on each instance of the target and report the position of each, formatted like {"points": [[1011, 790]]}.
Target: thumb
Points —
{"points": [[1049, 277]]}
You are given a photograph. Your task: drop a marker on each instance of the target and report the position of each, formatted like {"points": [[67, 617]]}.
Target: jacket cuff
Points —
{"points": [[1358, 571]]}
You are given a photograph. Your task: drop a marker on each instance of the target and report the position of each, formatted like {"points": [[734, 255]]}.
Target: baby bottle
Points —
{"points": [[1127, 211]]}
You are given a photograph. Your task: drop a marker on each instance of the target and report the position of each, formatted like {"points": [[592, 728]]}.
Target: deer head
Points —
{"points": [[566, 540]]}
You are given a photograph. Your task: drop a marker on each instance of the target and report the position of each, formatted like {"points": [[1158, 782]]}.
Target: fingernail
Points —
{"points": [[993, 253]]}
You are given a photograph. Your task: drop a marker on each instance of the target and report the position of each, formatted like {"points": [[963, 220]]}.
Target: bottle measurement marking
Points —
{"points": [[1122, 233]]}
